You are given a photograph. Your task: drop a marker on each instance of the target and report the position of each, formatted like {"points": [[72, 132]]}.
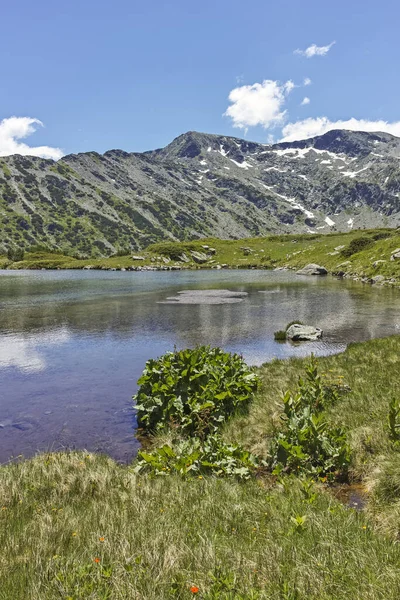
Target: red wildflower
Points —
{"points": [[194, 589]]}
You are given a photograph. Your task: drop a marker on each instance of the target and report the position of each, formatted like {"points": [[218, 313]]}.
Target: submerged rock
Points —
{"points": [[299, 333], [312, 269]]}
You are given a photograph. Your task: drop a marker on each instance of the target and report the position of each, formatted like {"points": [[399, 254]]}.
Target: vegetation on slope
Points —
{"points": [[79, 526], [339, 253]]}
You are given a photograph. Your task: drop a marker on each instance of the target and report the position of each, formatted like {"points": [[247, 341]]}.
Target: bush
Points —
{"points": [[192, 458], [15, 254], [193, 390], [306, 444], [357, 245]]}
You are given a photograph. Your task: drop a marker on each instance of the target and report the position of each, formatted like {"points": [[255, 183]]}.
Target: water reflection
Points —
{"points": [[72, 344]]}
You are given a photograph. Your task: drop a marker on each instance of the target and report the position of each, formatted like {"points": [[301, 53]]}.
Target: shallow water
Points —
{"points": [[73, 343]]}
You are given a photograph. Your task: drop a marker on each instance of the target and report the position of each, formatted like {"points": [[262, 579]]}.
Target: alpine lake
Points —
{"points": [[74, 343]]}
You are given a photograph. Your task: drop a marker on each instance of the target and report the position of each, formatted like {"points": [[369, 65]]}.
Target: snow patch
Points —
{"points": [[222, 151], [203, 162], [243, 165], [329, 221], [209, 149], [350, 223], [352, 174], [276, 169]]}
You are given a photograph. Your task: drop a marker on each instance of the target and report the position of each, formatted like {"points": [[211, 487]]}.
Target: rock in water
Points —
{"points": [[312, 269], [299, 333]]}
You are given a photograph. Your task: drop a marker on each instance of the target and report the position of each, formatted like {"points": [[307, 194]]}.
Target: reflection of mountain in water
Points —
{"points": [[72, 345], [121, 308]]}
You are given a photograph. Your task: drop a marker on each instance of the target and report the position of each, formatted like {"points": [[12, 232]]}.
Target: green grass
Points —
{"points": [[336, 252], [154, 538]]}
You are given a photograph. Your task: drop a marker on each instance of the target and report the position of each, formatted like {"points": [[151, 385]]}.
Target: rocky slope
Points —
{"points": [[200, 185]]}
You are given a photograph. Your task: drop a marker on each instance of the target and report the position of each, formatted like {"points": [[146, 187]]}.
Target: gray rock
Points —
{"points": [[298, 333], [138, 258], [312, 269], [395, 254], [199, 257], [378, 262], [184, 258], [377, 279]]}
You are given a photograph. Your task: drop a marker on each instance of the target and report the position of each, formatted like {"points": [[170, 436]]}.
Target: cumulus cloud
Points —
{"points": [[305, 101], [317, 126], [258, 104], [14, 129], [314, 50], [307, 81]]}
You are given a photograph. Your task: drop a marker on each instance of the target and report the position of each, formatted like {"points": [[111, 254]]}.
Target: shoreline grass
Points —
{"points": [[79, 526], [357, 254]]}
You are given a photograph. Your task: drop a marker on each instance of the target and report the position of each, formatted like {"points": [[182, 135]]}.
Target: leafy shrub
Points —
{"points": [[306, 443], [193, 390], [195, 458], [15, 254], [280, 336], [356, 245]]}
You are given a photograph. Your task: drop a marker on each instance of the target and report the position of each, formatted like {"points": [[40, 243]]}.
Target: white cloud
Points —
{"points": [[14, 129], [307, 81], [258, 104], [320, 125], [305, 101], [314, 50]]}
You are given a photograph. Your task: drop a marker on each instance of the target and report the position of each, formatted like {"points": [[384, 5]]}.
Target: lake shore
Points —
{"points": [[78, 525], [370, 261]]}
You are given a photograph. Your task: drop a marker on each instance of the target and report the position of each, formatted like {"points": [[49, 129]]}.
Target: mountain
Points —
{"points": [[200, 185]]}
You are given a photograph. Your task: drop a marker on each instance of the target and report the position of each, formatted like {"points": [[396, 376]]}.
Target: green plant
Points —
{"points": [[196, 458], [307, 444], [15, 254], [280, 336], [356, 245], [194, 390], [394, 420]]}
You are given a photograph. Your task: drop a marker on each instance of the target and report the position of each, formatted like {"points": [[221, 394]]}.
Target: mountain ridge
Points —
{"points": [[200, 185]]}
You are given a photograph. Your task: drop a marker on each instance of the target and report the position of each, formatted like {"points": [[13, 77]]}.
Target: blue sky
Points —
{"points": [[134, 75]]}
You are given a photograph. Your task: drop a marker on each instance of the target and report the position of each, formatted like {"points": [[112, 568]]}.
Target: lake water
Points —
{"points": [[73, 343]]}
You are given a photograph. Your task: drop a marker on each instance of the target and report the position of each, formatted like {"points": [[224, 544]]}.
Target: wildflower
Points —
{"points": [[74, 534], [364, 527], [96, 560], [200, 477], [101, 539], [194, 589], [4, 508]]}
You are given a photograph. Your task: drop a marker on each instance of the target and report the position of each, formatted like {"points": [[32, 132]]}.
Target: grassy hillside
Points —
{"points": [[79, 526], [333, 251]]}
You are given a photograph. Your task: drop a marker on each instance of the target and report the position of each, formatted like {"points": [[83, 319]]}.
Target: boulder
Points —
{"points": [[199, 257], [138, 258], [312, 269], [299, 333], [395, 254], [377, 279]]}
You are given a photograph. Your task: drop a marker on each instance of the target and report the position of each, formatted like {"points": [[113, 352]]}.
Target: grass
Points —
{"points": [[338, 252], [79, 526]]}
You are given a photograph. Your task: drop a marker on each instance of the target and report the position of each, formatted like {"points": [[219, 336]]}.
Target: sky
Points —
{"points": [[95, 75]]}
